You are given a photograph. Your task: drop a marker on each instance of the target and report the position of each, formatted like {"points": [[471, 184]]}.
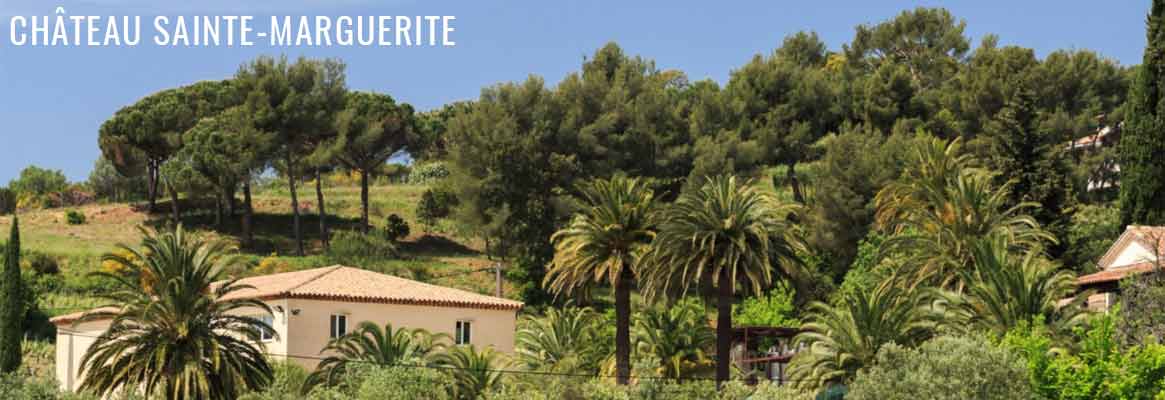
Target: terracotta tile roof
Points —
{"points": [[1114, 274], [67, 318], [342, 283], [347, 284]]}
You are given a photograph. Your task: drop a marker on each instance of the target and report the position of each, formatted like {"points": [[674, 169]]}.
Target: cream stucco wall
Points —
{"points": [[303, 329], [72, 341], [1134, 253], [311, 327]]}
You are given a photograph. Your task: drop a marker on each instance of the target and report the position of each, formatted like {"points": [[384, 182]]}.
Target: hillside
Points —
{"points": [[439, 257]]}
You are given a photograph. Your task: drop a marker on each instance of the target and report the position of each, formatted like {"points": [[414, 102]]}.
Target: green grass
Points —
{"points": [[442, 258]]}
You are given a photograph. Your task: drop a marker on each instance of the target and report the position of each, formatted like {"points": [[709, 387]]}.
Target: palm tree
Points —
{"points": [[678, 336], [178, 334], [842, 339], [727, 236], [474, 373], [564, 339], [372, 345], [942, 206], [1004, 290], [603, 243]]}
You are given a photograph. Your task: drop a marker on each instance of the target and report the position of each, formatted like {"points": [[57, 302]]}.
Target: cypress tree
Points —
{"points": [[11, 304], [1032, 161], [1142, 147]]}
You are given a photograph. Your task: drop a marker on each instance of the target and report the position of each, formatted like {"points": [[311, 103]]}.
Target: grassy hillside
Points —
{"points": [[438, 257]]}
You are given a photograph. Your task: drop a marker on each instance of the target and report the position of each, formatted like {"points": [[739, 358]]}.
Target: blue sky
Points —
{"points": [[52, 100]]}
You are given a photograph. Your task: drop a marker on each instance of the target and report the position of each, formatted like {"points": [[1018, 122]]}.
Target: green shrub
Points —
{"points": [[287, 384], [403, 383], [944, 368], [771, 391], [774, 308], [434, 205], [74, 217], [354, 248], [428, 173], [7, 201], [40, 262], [395, 228], [24, 387], [1099, 369]]}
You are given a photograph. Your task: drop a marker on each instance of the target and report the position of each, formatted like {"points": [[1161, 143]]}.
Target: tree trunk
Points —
{"points": [[323, 211], [364, 201], [174, 204], [723, 328], [623, 327], [228, 199], [152, 185], [218, 211], [294, 205], [247, 211], [791, 176]]}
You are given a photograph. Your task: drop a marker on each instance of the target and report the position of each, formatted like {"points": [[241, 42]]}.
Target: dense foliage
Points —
{"points": [[880, 196], [1142, 194], [944, 368]]}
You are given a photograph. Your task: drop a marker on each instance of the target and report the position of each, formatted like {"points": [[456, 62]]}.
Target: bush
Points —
{"points": [[770, 391], [71, 197], [7, 201], [428, 173], [354, 248], [434, 205], [287, 385], [40, 262], [1098, 370], [944, 368], [23, 387], [395, 228], [74, 217], [272, 265], [774, 308], [403, 383]]}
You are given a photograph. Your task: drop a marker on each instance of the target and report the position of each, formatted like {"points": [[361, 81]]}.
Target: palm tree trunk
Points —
{"points": [[794, 184], [723, 328], [364, 201], [322, 211], [623, 328], [247, 212], [294, 204]]}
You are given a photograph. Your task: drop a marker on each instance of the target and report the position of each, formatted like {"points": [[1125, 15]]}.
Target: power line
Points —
{"points": [[496, 370]]}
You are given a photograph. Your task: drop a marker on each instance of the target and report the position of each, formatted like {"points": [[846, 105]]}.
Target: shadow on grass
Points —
{"points": [[433, 245], [273, 233]]}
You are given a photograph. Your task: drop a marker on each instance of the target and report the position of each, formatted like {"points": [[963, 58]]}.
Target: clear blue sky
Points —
{"points": [[52, 100]]}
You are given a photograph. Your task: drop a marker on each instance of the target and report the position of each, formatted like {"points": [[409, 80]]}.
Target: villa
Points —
{"points": [[1134, 252], [311, 307]]}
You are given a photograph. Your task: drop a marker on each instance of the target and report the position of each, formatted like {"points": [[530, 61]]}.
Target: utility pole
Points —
{"points": [[498, 277]]}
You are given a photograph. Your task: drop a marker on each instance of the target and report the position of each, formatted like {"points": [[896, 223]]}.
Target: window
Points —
{"points": [[267, 334], [339, 325], [461, 335]]}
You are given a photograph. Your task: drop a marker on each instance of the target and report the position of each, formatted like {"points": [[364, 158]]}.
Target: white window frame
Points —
{"points": [[337, 325], [264, 335], [463, 332]]}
